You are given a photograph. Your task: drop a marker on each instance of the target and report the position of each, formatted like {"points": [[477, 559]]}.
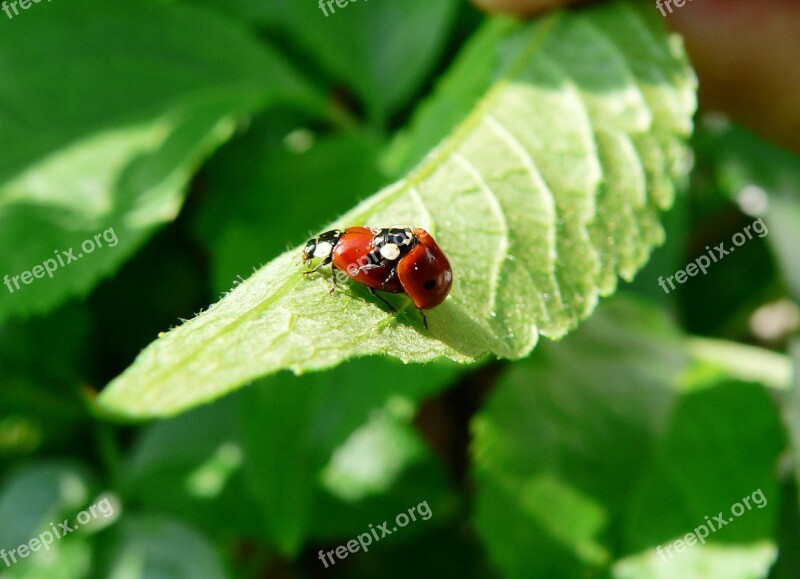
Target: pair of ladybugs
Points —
{"points": [[394, 259]]}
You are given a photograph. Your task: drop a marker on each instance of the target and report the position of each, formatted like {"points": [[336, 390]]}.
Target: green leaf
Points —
{"points": [[40, 406], [450, 550], [557, 450], [71, 559], [292, 427], [549, 189], [37, 498], [702, 562], [155, 546], [457, 93], [382, 51], [37, 495], [763, 179], [191, 468], [134, 100], [373, 456], [721, 446]]}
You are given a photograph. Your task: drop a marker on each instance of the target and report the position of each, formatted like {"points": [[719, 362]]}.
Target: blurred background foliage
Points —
{"points": [[214, 134]]}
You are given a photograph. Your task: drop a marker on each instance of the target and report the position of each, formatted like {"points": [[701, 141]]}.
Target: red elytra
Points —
{"points": [[352, 254], [425, 272]]}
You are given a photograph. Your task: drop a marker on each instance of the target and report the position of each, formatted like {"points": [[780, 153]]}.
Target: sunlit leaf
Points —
{"points": [[99, 157], [548, 190]]}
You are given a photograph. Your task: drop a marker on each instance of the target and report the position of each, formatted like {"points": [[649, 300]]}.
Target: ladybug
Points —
{"points": [[393, 259]]}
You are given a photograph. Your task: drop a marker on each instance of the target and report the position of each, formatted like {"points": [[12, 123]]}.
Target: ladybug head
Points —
{"points": [[308, 250], [322, 245]]}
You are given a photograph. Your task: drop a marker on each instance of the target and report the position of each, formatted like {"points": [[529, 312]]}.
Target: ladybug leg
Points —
{"points": [[374, 261], [390, 277], [424, 318], [380, 297], [368, 267], [323, 263], [334, 274]]}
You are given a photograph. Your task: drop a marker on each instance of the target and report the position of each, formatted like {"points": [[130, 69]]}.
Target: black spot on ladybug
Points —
{"points": [[429, 284]]}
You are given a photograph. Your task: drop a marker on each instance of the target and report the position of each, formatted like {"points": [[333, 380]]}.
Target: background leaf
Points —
{"points": [[159, 547], [191, 468], [382, 51], [558, 452], [123, 158], [34, 497], [301, 428]]}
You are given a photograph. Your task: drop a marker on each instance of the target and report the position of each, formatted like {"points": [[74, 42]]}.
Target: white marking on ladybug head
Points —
{"points": [[323, 249], [401, 236], [390, 251]]}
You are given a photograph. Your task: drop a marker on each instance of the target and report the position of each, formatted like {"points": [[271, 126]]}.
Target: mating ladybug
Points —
{"points": [[394, 259]]}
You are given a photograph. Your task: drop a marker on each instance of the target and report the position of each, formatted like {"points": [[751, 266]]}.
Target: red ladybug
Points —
{"points": [[394, 259]]}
